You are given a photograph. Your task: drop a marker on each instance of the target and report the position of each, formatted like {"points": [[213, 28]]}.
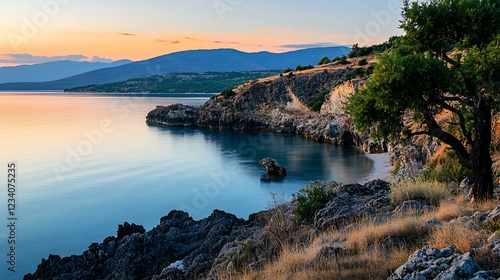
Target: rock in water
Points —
{"points": [[273, 167]]}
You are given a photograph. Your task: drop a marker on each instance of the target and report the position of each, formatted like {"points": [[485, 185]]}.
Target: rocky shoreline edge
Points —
{"points": [[182, 248]]}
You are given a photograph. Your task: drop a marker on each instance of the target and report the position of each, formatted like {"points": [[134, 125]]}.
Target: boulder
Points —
{"points": [[353, 201], [431, 263], [273, 167], [410, 170]]}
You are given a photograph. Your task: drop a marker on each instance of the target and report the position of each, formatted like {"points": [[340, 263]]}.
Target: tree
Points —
{"points": [[324, 60], [447, 61]]}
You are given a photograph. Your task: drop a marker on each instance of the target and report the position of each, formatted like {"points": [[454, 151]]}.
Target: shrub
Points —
{"points": [[362, 62], [312, 198], [302, 68], [280, 225], [243, 255], [396, 168], [287, 70], [343, 60], [316, 103], [324, 60], [290, 75], [432, 192], [227, 93], [446, 169]]}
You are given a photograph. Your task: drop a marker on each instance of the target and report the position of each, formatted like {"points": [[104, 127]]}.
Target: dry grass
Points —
{"points": [[298, 265], [410, 230], [432, 192], [458, 235], [368, 256]]}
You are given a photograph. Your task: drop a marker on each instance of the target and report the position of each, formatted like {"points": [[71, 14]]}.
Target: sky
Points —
{"points": [[35, 31]]}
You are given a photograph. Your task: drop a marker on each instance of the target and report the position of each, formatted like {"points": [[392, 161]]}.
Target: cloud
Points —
{"points": [[100, 59], [173, 42], [306, 46], [126, 34], [201, 40], [33, 59]]}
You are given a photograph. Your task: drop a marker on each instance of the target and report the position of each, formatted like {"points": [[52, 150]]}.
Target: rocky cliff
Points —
{"points": [[279, 104]]}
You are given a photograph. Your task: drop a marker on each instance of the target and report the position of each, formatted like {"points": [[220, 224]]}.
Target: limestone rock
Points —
{"points": [[354, 201], [410, 170], [173, 115], [431, 263], [273, 167]]}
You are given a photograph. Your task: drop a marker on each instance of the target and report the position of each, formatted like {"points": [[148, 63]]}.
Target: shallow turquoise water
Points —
{"points": [[89, 163]]}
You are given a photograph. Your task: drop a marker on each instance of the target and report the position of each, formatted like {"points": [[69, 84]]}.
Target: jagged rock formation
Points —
{"points": [[354, 201], [178, 248], [273, 167], [431, 263]]}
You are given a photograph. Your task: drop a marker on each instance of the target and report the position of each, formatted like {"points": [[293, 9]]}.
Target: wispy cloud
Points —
{"points": [[306, 46], [33, 59], [126, 34], [173, 42]]}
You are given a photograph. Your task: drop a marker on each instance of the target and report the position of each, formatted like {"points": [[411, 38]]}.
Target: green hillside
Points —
{"points": [[209, 82]]}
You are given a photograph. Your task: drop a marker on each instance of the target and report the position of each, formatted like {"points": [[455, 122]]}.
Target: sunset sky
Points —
{"points": [[35, 31]]}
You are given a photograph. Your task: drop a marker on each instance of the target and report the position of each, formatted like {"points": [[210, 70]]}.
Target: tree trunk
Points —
{"points": [[480, 155]]}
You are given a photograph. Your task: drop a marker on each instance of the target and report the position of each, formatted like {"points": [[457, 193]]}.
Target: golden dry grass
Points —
{"points": [[409, 229], [433, 192], [372, 263], [458, 235], [367, 255]]}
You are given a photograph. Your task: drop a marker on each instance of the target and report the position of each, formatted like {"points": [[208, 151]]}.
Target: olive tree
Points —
{"points": [[448, 60]]}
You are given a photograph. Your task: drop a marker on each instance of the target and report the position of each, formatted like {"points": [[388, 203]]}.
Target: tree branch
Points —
{"points": [[417, 133], [447, 138], [461, 118]]}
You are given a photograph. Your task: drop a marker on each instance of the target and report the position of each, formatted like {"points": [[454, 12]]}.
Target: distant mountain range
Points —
{"points": [[51, 71], [192, 61]]}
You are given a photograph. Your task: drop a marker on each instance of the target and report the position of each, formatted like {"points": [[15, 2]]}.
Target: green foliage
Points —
{"points": [[243, 255], [446, 169], [399, 83], [324, 60], [316, 103], [362, 62], [312, 198], [357, 72], [287, 70], [209, 82], [302, 68], [343, 60], [396, 168], [290, 75], [357, 51], [227, 93], [432, 192]]}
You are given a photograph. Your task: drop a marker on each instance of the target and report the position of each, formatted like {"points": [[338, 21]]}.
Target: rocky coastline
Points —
{"points": [[279, 104], [182, 248], [212, 248]]}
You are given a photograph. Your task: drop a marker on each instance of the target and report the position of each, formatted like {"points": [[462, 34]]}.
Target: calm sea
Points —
{"points": [[88, 163]]}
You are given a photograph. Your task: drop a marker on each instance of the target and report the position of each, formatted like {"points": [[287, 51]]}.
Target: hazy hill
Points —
{"points": [[50, 71], [193, 61]]}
